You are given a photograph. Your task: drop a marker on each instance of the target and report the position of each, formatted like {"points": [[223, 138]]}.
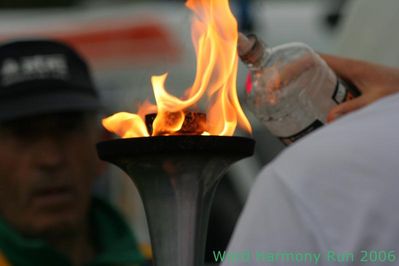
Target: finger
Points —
{"points": [[343, 67], [345, 108]]}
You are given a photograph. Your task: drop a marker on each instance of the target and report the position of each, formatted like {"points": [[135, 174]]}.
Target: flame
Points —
{"points": [[215, 36]]}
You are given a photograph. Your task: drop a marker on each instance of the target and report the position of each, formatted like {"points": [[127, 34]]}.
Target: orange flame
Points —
{"points": [[214, 35]]}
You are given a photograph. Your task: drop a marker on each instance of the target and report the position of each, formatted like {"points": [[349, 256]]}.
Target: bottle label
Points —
{"points": [[344, 91], [289, 140]]}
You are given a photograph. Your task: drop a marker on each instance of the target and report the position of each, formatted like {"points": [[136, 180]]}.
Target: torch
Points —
{"points": [[177, 156]]}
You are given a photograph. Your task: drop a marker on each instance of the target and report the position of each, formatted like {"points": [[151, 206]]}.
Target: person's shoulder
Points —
{"points": [[105, 212], [335, 189], [355, 157], [113, 234]]}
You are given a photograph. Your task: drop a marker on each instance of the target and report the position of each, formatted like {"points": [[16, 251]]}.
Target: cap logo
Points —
{"points": [[15, 70]]}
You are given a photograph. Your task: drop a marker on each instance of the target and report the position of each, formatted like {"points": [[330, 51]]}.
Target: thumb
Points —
{"points": [[345, 108]]}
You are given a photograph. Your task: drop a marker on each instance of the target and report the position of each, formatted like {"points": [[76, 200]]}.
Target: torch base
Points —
{"points": [[176, 177]]}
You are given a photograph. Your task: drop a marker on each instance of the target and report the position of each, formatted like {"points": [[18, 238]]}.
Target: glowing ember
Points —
{"points": [[194, 123], [214, 35]]}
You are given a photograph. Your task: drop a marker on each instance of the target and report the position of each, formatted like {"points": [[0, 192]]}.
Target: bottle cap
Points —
{"points": [[250, 48]]}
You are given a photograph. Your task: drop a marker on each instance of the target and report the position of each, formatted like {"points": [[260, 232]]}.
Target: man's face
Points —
{"points": [[47, 165]]}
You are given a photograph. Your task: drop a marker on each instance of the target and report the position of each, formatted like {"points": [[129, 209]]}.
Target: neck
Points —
{"points": [[77, 245]]}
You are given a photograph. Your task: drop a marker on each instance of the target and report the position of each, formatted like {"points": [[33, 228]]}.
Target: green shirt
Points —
{"points": [[115, 243]]}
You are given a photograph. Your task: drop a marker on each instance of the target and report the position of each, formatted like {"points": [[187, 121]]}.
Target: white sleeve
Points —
{"points": [[273, 220]]}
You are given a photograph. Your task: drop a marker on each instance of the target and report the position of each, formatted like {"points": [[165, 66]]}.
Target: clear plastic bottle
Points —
{"points": [[292, 89]]}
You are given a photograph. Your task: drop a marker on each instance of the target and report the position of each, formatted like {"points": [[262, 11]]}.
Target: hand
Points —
{"points": [[374, 82]]}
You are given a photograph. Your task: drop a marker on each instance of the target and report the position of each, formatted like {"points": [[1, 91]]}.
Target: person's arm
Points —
{"points": [[374, 82]]}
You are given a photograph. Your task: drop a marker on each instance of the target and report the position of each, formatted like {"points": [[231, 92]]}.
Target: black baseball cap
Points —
{"points": [[43, 77]]}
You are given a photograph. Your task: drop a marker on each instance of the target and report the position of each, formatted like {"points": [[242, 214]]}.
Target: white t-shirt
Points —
{"points": [[334, 193]]}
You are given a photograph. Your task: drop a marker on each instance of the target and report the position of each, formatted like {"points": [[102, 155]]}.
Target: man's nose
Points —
{"points": [[50, 152]]}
